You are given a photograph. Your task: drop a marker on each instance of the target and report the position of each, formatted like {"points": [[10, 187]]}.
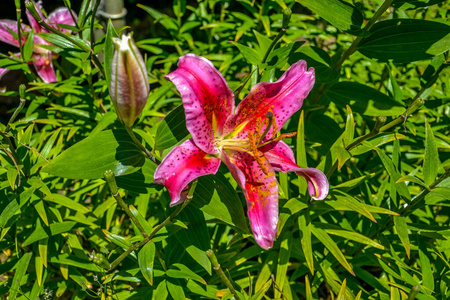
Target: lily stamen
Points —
{"points": [[258, 155], [270, 120], [279, 138]]}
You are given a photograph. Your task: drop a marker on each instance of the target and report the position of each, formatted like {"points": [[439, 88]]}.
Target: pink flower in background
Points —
{"points": [[244, 139], [42, 57]]}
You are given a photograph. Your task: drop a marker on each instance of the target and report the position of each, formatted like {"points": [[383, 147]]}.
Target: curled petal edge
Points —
{"points": [[281, 157]]}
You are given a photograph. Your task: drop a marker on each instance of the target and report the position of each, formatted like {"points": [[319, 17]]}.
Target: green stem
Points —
{"points": [[216, 266], [136, 246], [376, 129], [353, 46], [139, 144], [111, 181], [286, 18], [414, 106], [22, 88], [12, 148], [415, 290], [94, 12], [19, 26]]}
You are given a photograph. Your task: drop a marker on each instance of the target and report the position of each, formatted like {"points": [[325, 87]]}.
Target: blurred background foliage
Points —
{"points": [[377, 123]]}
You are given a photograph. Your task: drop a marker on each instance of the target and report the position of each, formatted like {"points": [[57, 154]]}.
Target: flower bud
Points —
{"points": [[129, 87]]}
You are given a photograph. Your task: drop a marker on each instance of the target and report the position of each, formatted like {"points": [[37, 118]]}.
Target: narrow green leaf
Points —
{"points": [[283, 260], [413, 179], [39, 267], [352, 203], [402, 231], [309, 295], [414, 4], [401, 187], [379, 140], [146, 257], [340, 14], [195, 240], [215, 196], [363, 99], [304, 224], [425, 264], [328, 242], [250, 54], [396, 91], [28, 46], [349, 235], [71, 260], [89, 159], [67, 202], [171, 130], [184, 272], [406, 40], [431, 160], [290, 208], [341, 295], [349, 127], [40, 208], [161, 291], [175, 289], [301, 152], [148, 229], [109, 49], [19, 274], [265, 271]]}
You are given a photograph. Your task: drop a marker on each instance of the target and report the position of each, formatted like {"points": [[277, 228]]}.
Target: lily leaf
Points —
{"points": [[89, 159]]}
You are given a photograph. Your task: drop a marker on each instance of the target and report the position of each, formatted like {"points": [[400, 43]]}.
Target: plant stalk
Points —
{"points": [[136, 246], [216, 266], [111, 181], [353, 46], [139, 144]]}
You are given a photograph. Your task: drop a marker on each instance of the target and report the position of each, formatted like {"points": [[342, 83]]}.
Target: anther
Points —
{"points": [[270, 121]]}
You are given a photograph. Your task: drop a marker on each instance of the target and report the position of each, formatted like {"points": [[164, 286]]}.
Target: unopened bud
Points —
{"points": [[129, 87], [32, 10], [287, 13]]}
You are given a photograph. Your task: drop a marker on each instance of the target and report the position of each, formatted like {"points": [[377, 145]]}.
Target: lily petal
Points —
{"points": [[284, 97], [3, 72], [207, 99], [261, 193], [61, 16], [282, 159], [44, 67], [183, 164], [6, 36]]}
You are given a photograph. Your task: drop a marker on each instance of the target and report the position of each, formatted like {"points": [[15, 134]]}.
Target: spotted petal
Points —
{"points": [[44, 67], [284, 97], [183, 164], [207, 99], [282, 159], [5, 34], [61, 16], [261, 193]]}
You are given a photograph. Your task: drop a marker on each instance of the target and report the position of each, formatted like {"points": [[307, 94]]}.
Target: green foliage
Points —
{"points": [[377, 123]]}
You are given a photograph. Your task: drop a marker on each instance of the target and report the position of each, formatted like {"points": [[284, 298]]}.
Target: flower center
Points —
{"points": [[255, 140]]}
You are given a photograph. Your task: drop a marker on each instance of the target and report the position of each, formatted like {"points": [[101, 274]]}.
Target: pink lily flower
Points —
{"points": [[42, 57], [244, 139]]}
